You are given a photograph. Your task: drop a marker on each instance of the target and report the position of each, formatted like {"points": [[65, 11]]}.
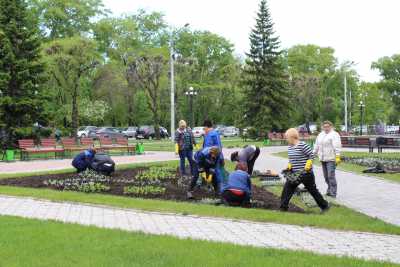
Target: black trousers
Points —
{"points": [[252, 161], [234, 200], [309, 183]]}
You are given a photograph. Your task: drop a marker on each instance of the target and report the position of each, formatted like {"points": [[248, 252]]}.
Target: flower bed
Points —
{"points": [[154, 182], [387, 163]]}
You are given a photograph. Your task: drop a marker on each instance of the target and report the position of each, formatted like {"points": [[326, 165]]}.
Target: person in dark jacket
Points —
{"points": [[102, 163], [208, 164], [236, 191], [184, 143], [247, 155], [83, 160]]}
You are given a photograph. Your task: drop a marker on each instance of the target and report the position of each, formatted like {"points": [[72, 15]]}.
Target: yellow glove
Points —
{"points": [[338, 160], [289, 166], [204, 176], [209, 178], [176, 149], [308, 166], [197, 146]]}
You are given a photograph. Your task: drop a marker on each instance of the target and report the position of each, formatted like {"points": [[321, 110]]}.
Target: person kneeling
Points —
{"points": [[83, 160], [237, 190], [300, 171]]}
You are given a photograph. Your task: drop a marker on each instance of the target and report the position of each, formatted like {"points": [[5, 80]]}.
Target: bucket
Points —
{"points": [[10, 155]]}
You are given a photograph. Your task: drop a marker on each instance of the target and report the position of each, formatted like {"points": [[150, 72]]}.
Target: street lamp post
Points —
{"points": [[172, 81], [191, 93], [362, 106]]}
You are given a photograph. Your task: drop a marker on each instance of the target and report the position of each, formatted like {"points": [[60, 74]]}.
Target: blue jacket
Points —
{"points": [[238, 180], [83, 160], [212, 138], [204, 160]]}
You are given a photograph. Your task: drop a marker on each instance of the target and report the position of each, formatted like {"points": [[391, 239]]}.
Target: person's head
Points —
{"points": [[292, 136], [327, 126], [235, 156], [241, 166], [182, 124], [208, 123], [214, 152]]}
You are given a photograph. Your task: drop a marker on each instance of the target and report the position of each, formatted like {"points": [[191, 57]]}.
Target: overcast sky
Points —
{"points": [[359, 30]]}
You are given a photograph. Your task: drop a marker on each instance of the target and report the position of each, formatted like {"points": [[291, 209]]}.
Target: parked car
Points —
{"points": [[231, 131], [130, 132], [109, 132], [392, 129], [220, 128], [198, 132], [303, 128], [148, 132], [84, 131]]}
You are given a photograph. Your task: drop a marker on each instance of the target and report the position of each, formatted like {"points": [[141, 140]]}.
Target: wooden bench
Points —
{"points": [[70, 145], [387, 142], [120, 144], [86, 142], [27, 147], [357, 142]]}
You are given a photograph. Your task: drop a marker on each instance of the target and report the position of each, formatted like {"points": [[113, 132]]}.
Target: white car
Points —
{"points": [[198, 132], [84, 131], [231, 131]]}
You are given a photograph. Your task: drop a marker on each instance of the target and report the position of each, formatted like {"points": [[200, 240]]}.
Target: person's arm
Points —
{"points": [[337, 144], [307, 151]]}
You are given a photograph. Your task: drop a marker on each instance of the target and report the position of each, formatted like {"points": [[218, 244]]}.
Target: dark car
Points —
{"points": [[148, 132], [108, 132], [130, 132]]}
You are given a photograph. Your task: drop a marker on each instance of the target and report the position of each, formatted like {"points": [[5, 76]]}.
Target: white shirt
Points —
{"points": [[328, 146]]}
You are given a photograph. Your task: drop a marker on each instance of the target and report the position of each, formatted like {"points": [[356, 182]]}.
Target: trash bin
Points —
{"points": [[266, 142], [10, 155]]}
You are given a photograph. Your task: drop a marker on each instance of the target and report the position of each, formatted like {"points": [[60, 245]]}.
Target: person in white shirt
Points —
{"points": [[327, 147]]}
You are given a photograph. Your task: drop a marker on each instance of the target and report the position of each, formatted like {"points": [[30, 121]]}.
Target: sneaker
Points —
{"points": [[189, 195]]}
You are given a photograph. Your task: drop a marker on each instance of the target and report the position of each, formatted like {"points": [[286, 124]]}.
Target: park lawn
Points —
{"points": [[359, 169], [339, 217], [28, 242]]}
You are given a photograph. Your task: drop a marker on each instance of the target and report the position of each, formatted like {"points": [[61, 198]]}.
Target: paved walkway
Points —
{"points": [[269, 235], [372, 196], [60, 164]]}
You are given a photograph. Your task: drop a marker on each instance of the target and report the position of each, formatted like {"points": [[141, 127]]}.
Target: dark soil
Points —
{"points": [[176, 188]]}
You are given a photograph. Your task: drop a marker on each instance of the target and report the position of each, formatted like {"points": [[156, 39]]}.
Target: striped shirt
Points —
{"points": [[298, 155]]}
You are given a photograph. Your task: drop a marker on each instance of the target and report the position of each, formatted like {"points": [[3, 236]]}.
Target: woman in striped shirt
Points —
{"points": [[300, 161]]}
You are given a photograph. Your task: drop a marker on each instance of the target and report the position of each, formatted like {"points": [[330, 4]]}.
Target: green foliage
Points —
{"points": [[21, 69], [64, 18], [389, 69], [144, 190], [267, 96]]}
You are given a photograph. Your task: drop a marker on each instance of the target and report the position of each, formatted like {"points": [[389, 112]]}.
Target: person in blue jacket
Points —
{"points": [[236, 191], [211, 137], [208, 162], [83, 160]]}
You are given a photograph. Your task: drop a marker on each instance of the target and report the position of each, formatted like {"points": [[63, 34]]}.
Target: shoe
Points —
{"points": [[189, 195], [323, 211]]}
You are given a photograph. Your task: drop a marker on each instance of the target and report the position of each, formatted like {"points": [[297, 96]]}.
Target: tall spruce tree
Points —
{"points": [[267, 95], [21, 71]]}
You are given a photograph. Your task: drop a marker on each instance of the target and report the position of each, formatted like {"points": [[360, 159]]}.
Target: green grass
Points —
{"points": [[339, 217], [358, 168], [27, 242]]}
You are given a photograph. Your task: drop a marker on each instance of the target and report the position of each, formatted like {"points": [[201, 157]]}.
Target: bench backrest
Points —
{"points": [[344, 140], [87, 141], [26, 143], [48, 142], [390, 142], [68, 142], [362, 141], [122, 141], [106, 142]]}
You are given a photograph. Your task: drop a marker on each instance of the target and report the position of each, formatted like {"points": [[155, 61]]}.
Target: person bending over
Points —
{"points": [[237, 190], [300, 172], [208, 164], [248, 155], [83, 160]]}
